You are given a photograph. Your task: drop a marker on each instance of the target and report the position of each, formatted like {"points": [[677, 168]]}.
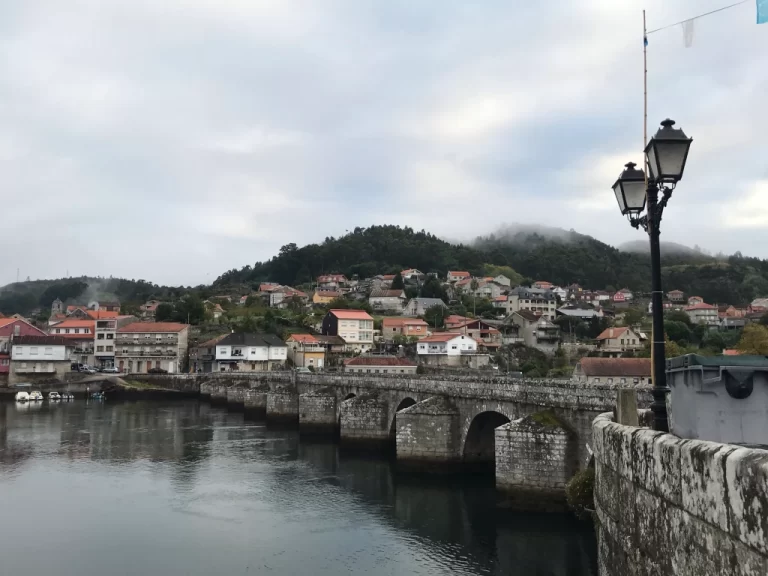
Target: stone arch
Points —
{"points": [[406, 402], [480, 442]]}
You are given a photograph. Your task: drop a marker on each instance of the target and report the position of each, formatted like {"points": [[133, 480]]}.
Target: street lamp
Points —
{"points": [[666, 154]]}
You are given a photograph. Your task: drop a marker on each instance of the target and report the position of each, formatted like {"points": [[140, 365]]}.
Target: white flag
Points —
{"points": [[688, 33]]}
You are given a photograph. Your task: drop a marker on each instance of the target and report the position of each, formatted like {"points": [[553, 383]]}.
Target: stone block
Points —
{"points": [[255, 403], [598, 434], [607, 490], [704, 490], [643, 458], [747, 562], [666, 462], [318, 413], [626, 407], [746, 475], [697, 548], [283, 407]]}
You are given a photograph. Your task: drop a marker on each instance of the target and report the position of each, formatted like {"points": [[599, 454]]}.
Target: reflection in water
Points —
{"points": [[183, 488]]}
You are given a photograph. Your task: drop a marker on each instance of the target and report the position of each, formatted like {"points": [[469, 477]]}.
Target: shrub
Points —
{"points": [[580, 493]]}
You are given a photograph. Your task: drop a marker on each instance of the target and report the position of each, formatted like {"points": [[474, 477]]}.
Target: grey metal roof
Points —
{"points": [[250, 339]]}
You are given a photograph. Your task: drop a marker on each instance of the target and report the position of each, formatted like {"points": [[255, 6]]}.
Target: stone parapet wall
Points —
{"points": [[539, 392], [669, 506]]}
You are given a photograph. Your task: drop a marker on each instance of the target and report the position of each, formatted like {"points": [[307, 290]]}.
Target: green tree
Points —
{"points": [[633, 317], [432, 288], [677, 331], [754, 340], [435, 316], [164, 312], [764, 319], [677, 316], [397, 282]]}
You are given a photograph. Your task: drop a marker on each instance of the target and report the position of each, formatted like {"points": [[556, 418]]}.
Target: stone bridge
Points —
{"points": [[535, 432]]}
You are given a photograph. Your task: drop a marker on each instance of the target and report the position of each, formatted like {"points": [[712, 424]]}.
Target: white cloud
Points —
{"points": [[248, 124]]}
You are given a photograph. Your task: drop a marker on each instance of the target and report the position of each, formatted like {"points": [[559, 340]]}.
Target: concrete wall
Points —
{"points": [[668, 506]]}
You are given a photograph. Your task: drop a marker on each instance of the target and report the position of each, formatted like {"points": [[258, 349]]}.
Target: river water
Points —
{"points": [[181, 488]]}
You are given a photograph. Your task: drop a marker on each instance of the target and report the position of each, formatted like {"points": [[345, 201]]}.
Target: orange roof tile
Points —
{"points": [[610, 333], [303, 338], [351, 314], [444, 337], [403, 321], [462, 273], [75, 324], [98, 314]]}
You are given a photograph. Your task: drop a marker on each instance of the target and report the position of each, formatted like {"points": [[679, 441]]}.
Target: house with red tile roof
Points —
{"points": [[457, 275], [355, 327], [446, 344], [142, 346], [380, 365], [332, 281], [306, 350], [613, 370], [484, 334], [408, 327], [701, 313], [11, 328], [619, 339]]}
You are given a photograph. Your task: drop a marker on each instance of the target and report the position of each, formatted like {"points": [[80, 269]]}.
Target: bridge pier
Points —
{"points": [[283, 406], [318, 412], [427, 436], [255, 402], [219, 394], [536, 456], [364, 421], [236, 398]]}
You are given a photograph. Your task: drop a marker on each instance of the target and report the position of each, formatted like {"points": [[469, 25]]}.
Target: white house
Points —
{"points": [[418, 306], [390, 300], [48, 355], [620, 339], [447, 344], [503, 280], [247, 352], [702, 313]]}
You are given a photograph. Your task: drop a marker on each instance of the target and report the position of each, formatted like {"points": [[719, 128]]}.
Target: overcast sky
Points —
{"points": [[172, 140]]}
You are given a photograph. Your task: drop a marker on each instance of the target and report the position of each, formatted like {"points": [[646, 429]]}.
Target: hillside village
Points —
{"points": [[388, 323]]}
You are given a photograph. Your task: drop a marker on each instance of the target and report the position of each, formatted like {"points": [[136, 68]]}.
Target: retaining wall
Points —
{"points": [[673, 507]]}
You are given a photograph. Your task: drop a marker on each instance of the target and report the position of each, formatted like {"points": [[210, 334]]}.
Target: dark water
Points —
{"points": [[185, 489]]}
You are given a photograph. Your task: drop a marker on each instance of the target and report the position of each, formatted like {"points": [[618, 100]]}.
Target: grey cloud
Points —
{"points": [[172, 141]]}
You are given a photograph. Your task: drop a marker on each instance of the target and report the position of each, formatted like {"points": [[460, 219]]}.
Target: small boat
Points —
{"points": [[98, 396], [22, 396], [35, 396], [54, 396], [67, 396]]}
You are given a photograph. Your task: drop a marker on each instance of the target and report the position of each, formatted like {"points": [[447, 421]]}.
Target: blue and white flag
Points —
{"points": [[762, 11]]}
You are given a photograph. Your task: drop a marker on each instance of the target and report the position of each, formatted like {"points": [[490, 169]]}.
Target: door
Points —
{"points": [[157, 363], [138, 365], [170, 367], [121, 365]]}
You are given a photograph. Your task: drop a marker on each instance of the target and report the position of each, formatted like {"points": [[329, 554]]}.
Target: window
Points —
{"points": [[610, 380], [99, 348], [110, 336], [368, 370], [622, 341], [66, 330], [58, 330], [99, 336], [48, 351], [125, 350], [402, 371], [623, 380], [596, 380], [4, 362], [636, 380], [377, 370], [453, 347], [33, 350]]}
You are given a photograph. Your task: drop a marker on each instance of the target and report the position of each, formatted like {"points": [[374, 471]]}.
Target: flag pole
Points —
{"points": [[645, 137]]}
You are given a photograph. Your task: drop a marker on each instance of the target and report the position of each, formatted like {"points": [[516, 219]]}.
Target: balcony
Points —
{"points": [[35, 370], [548, 335]]}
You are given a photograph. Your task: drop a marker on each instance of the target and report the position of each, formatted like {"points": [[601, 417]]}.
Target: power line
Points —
{"points": [[696, 17]]}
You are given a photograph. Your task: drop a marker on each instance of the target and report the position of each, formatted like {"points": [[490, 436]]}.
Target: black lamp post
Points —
{"points": [[666, 153]]}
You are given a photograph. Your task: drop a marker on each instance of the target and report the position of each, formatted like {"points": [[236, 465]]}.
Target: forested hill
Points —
{"points": [[558, 256]]}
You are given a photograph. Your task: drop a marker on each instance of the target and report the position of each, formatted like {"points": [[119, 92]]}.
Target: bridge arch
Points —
{"points": [[480, 441], [406, 402], [349, 396]]}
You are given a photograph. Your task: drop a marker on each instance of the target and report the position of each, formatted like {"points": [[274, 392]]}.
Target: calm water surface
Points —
{"points": [[185, 489]]}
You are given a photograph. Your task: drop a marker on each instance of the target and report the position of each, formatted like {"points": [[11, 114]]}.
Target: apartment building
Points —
{"points": [[142, 346], [250, 352], [539, 301], [355, 327]]}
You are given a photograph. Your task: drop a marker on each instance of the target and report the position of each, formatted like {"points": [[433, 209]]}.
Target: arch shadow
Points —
{"points": [[406, 402], [479, 451]]}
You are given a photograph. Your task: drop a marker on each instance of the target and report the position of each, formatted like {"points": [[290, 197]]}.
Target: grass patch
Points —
{"points": [[547, 418], [138, 385]]}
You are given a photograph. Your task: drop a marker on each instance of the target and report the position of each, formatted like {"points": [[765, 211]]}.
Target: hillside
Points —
{"points": [[559, 256]]}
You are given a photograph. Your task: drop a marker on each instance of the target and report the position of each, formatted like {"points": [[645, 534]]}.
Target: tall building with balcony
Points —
{"points": [[144, 346], [81, 334], [355, 327], [105, 336]]}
